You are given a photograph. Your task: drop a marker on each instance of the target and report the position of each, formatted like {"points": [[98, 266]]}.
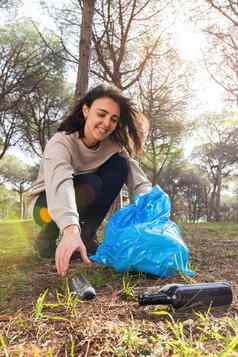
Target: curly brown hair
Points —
{"points": [[127, 132]]}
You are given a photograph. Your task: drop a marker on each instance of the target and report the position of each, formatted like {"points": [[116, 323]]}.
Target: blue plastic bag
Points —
{"points": [[142, 238]]}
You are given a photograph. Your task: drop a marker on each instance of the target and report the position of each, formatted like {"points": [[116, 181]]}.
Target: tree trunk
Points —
{"points": [[189, 210], [218, 200], [21, 191], [194, 214], [211, 209], [85, 48]]}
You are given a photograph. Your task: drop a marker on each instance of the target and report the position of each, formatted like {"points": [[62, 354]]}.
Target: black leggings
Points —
{"points": [[95, 193]]}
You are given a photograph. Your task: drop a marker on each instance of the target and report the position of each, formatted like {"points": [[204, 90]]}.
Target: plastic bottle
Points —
{"points": [[189, 296], [82, 287]]}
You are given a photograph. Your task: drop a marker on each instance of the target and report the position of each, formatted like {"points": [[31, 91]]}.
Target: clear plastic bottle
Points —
{"points": [[82, 287], [189, 296]]}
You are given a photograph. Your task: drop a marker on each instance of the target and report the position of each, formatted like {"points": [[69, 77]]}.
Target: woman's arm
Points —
{"points": [[137, 181], [61, 202], [58, 177]]}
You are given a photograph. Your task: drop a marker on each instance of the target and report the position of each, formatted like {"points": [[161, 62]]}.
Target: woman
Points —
{"points": [[84, 166]]}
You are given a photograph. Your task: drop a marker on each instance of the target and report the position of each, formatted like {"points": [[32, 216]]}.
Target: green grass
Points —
{"points": [[221, 230], [40, 316], [17, 259], [12, 221], [16, 238]]}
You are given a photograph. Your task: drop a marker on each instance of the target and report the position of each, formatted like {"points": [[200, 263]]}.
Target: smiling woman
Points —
{"points": [[84, 166], [101, 120]]}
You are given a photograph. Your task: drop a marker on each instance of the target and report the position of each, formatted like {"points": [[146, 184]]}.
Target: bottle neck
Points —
{"points": [[164, 299], [155, 299]]}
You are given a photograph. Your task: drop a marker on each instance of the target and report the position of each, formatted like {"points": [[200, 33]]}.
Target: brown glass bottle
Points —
{"points": [[190, 295]]}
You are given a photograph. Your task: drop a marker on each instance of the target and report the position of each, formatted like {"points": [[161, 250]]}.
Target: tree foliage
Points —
{"points": [[121, 50], [9, 203], [25, 63], [18, 176], [163, 96], [218, 155], [222, 33], [39, 113], [187, 187]]}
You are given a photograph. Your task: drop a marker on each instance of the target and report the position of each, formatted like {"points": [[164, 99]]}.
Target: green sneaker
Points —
{"points": [[45, 244]]}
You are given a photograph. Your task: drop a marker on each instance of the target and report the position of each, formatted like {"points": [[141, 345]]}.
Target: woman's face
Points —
{"points": [[101, 120]]}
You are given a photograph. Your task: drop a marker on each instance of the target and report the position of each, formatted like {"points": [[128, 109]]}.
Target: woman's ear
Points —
{"points": [[85, 111]]}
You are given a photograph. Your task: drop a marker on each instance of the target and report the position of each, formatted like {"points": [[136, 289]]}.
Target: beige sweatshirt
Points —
{"points": [[66, 155]]}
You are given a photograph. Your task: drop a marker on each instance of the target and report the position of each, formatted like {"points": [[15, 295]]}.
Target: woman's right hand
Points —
{"points": [[70, 242]]}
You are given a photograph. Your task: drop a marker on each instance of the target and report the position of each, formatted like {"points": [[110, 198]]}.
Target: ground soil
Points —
{"points": [[213, 259], [96, 323]]}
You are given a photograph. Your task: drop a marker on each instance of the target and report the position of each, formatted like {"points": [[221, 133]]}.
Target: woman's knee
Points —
{"points": [[122, 166], [117, 165], [87, 189]]}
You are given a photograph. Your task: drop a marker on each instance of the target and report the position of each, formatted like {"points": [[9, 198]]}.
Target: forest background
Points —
{"points": [[49, 60]]}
